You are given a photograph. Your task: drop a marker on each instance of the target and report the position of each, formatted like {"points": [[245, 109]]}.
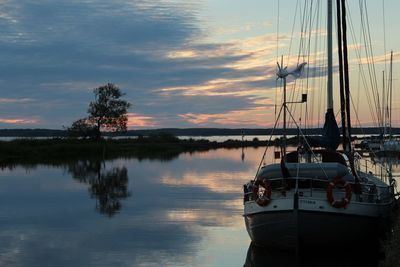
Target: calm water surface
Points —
{"points": [[184, 211]]}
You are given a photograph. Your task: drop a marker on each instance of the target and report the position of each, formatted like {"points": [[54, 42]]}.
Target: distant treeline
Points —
{"points": [[186, 132]]}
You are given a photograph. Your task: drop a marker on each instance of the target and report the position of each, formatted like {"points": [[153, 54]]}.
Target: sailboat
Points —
{"points": [[317, 195], [384, 144]]}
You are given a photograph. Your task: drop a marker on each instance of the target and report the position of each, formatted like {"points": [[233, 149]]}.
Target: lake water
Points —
{"points": [[183, 211]]}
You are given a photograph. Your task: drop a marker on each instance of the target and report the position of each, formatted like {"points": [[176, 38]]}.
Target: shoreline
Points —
{"points": [[43, 150]]}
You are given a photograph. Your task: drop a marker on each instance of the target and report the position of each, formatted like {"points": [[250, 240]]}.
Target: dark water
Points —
{"points": [[185, 211]]}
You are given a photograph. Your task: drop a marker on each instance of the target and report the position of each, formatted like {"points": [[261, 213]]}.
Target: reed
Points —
{"points": [[161, 145]]}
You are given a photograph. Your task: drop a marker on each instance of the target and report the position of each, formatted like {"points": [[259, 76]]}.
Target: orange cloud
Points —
{"points": [[221, 87], [379, 59], [19, 121], [136, 120], [251, 117]]}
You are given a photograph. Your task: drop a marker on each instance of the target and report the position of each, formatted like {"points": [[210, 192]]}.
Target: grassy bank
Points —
{"points": [[39, 150]]}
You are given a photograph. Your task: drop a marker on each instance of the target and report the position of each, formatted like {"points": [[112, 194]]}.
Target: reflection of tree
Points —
{"points": [[107, 186]]}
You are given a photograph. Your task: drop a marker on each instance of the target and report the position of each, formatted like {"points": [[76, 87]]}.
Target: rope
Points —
{"points": [[268, 143]]}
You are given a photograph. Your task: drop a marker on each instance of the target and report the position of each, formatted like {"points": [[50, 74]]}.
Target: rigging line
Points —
{"points": [[391, 91], [310, 117], [364, 81], [369, 55], [277, 31], [373, 61], [302, 12], [358, 91], [361, 69], [276, 97], [317, 20], [356, 115], [302, 19], [269, 142], [307, 143], [298, 7], [277, 55], [310, 32], [383, 104], [384, 33], [302, 48], [322, 79], [303, 30], [306, 22], [293, 26]]}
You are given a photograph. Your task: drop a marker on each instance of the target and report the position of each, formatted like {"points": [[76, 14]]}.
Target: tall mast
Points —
{"points": [[390, 93], [341, 76], [330, 64]]}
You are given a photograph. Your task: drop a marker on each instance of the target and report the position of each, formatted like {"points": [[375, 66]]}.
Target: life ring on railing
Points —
{"points": [[264, 198], [339, 181]]}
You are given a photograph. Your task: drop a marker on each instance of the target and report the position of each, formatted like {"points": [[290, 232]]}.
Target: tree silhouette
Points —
{"points": [[108, 111], [82, 128]]}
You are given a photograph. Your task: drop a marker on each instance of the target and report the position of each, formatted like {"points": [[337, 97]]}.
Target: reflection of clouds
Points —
{"points": [[204, 217], [10, 253], [252, 157], [160, 224], [213, 217], [103, 245], [216, 182]]}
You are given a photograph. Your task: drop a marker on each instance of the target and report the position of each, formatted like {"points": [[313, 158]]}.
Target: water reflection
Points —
{"points": [[182, 212], [392, 161], [360, 255], [260, 257], [108, 187]]}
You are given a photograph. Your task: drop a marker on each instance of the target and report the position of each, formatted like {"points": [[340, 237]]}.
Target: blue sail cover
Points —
{"points": [[331, 136]]}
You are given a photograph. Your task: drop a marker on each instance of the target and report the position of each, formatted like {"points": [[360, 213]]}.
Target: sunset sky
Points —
{"points": [[203, 63]]}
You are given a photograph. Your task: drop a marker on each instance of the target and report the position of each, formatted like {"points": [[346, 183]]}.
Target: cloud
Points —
{"points": [[153, 50], [20, 121], [254, 117], [136, 120], [156, 51], [15, 100], [53, 51]]}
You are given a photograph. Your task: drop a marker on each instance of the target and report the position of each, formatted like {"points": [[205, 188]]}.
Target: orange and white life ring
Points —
{"points": [[264, 198], [339, 182]]}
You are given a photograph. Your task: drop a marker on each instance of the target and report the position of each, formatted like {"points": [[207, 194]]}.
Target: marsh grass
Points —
{"points": [[161, 146]]}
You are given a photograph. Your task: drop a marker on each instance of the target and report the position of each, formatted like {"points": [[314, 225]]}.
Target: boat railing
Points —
{"points": [[317, 188], [370, 167]]}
